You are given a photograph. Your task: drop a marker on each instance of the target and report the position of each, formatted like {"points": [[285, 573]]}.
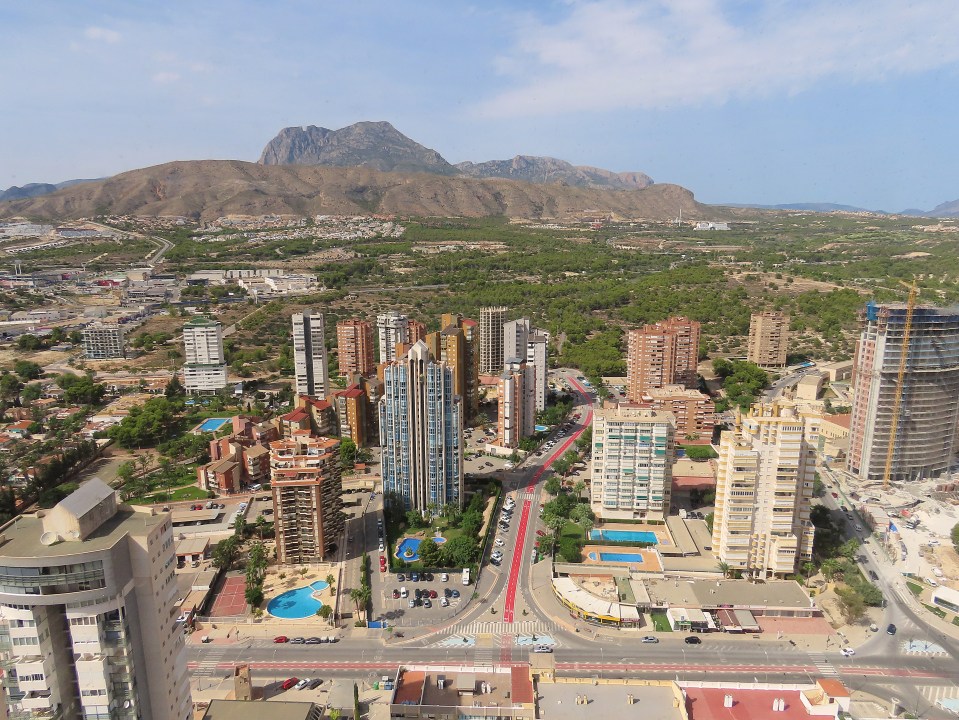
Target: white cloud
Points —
{"points": [[613, 54], [165, 78], [101, 34]]}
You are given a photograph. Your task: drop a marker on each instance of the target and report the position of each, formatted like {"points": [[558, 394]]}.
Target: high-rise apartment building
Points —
{"points": [[515, 340], [421, 432], [87, 617], [517, 404], [309, 354], [103, 341], [456, 344], [665, 353], [928, 417], [491, 324], [415, 331], [204, 369], [694, 412], [351, 411], [537, 353], [768, 339], [393, 328], [632, 461], [354, 346], [764, 487], [306, 484]]}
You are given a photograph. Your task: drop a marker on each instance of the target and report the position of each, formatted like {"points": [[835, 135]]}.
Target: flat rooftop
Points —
{"points": [[711, 593], [506, 689], [707, 704], [246, 710], [654, 702], [22, 535]]}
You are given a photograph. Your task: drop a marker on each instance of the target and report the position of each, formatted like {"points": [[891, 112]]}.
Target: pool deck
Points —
{"points": [[661, 532], [650, 564]]}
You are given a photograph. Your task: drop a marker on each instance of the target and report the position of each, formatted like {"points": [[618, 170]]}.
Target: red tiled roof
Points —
{"points": [[833, 688], [840, 420], [522, 690], [687, 482], [707, 704], [410, 687], [295, 415]]}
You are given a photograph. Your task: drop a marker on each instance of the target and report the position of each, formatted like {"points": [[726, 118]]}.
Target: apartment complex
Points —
{"points": [[354, 346], [309, 354], [351, 411], [393, 328], [87, 620], [665, 353], [204, 370], [928, 416], [517, 403], [102, 341], [515, 340], [764, 487], [694, 413], [768, 339], [415, 331], [633, 453], [537, 353], [456, 344], [492, 320], [421, 432], [306, 484]]}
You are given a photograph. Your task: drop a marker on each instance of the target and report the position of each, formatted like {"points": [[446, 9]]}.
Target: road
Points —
{"points": [[881, 666]]}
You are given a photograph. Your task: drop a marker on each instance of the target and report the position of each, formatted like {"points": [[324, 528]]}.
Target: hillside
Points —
{"points": [[208, 189], [553, 170]]}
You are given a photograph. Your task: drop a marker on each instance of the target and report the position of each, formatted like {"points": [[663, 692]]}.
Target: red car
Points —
{"points": [[835, 495], [382, 568], [432, 594], [290, 682], [281, 639], [540, 533]]}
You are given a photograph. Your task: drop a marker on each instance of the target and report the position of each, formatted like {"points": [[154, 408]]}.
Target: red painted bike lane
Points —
{"points": [[518, 555]]}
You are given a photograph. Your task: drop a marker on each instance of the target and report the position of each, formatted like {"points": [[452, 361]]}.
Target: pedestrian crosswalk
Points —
{"points": [[522, 627], [933, 693], [207, 666], [823, 665]]}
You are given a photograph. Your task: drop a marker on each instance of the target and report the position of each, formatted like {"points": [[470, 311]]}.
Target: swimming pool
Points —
{"points": [[624, 536], [541, 428], [213, 424], [413, 544], [298, 603], [617, 557]]}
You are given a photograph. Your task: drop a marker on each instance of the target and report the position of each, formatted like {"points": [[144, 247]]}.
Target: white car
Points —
{"points": [[444, 602], [543, 649], [302, 684], [445, 577], [499, 542], [848, 652]]}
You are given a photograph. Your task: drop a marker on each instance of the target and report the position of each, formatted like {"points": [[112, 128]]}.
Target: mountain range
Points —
{"points": [[30, 190]]}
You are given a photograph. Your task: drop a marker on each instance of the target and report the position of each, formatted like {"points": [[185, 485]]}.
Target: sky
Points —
{"points": [[741, 101]]}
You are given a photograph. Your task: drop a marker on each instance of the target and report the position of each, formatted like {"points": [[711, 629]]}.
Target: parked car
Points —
{"points": [[400, 577], [432, 594], [281, 639], [302, 684], [444, 602], [298, 641], [427, 603], [835, 495], [890, 629], [847, 652], [499, 542], [396, 594], [455, 593], [412, 603], [315, 683], [313, 641], [445, 577], [414, 577], [447, 592], [290, 682], [543, 649], [649, 639], [693, 640], [873, 576]]}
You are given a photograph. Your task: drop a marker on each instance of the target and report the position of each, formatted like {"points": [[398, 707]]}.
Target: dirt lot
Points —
{"points": [[797, 286]]}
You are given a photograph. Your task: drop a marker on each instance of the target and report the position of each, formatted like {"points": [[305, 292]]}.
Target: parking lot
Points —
{"points": [[396, 608]]}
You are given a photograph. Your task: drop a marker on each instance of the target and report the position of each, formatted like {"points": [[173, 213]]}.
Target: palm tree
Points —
{"points": [[356, 595], [578, 488], [724, 568], [809, 570]]}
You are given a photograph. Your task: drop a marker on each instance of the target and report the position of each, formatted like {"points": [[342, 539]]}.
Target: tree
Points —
{"points": [[429, 553], [809, 569], [174, 388], [356, 595], [29, 343], [851, 604], [356, 703], [125, 470], [10, 386], [955, 536], [239, 527], [347, 453], [254, 595], [818, 487], [460, 551], [226, 552], [724, 568], [553, 521], [553, 485], [570, 550], [27, 370], [324, 612], [414, 519], [578, 488], [31, 392], [546, 544]]}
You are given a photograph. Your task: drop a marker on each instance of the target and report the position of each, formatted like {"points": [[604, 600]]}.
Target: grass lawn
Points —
{"points": [[955, 620], [915, 587], [189, 492], [934, 610], [660, 622], [572, 530]]}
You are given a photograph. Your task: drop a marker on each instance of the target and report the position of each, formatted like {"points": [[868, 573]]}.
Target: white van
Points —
{"points": [[403, 592], [466, 576]]}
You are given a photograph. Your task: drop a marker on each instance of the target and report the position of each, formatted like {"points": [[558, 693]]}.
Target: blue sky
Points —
{"points": [[765, 101]]}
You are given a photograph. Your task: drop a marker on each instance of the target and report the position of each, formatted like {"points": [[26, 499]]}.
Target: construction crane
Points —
{"points": [[897, 398]]}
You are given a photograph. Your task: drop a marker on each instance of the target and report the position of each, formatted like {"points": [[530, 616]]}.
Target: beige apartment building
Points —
{"points": [[88, 625], [516, 417], [354, 347], [306, 484], [694, 412], [492, 320], [665, 353], [764, 487], [632, 460], [768, 339]]}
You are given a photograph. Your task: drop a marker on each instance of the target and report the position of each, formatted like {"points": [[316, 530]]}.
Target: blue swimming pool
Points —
{"points": [[412, 544], [624, 536], [213, 424], [541, 428], [298, 603], [617, 557]]}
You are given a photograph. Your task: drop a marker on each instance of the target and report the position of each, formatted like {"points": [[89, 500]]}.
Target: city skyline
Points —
{"points": [[739, 103]]}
